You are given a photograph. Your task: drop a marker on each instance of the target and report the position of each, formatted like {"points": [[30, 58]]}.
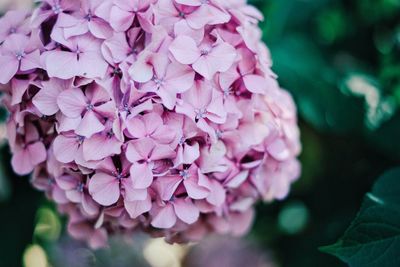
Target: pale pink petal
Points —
{"points": [[185, 50], [141, 71], [92, 65], [89, 125], [31, 61], [204, 67], [137, 207], [189, 2], [136, 128], [120, 19], [179, 78], [217, 195], [141, 176], [167, 186], [165, 218], [255, 84], [46, 99], [279, 150], [21, 162], [100, 146], [131, 193], [139, 150], [100, 29], [186, 210], [61, 64], [194, 190], [190, 153], [9, 67], [37, 153], [104, 189], [72, 102], [65, 148], [162, 152], [88, 205], [222, 57], [19, 88]]}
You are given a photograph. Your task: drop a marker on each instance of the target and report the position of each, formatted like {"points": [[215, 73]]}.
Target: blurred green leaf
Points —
{"points": [[48, 225], [373, 238]]}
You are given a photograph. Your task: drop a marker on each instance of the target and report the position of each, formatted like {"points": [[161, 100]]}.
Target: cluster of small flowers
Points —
{"points": [[155, 115]]}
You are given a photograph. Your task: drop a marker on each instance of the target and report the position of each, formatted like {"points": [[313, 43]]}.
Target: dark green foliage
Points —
{"points": [[373, 238]]}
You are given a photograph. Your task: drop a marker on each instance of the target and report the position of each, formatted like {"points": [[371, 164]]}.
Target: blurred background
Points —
{"points": [[341, 61]]}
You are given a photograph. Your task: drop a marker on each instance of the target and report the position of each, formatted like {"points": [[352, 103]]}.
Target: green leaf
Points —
{"points": [[373, 238]]}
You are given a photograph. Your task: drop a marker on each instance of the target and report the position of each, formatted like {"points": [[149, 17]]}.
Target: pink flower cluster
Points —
{"points": [[155, 115]]}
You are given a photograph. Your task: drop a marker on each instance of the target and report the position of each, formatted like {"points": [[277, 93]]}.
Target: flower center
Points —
{"points": [[89, 107], [158, 82], [200, 113], [204, 52], [89, 16], [218, 133], [80, 187], [80, 139], [182, 140], [13, 30], [19, 55], [57, 9], [184, 174], [110, 134], [181, 14]]}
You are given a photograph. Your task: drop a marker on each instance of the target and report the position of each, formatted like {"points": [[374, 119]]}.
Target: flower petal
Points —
{"points": [[104, 189]]}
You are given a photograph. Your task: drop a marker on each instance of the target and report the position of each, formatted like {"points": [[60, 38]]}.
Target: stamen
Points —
{"points": [[80, 139], [89, 107], [204, 52], [57, 9], [184, 174], [80, 187], [19, 55], [200, 113]]}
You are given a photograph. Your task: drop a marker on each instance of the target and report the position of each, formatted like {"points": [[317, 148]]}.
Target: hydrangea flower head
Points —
{"points": [[160, 116]]}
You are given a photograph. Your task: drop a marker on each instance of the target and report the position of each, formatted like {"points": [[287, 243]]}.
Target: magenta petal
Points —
{"points": [[186, 210], [165, 218], [104, 189]]}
